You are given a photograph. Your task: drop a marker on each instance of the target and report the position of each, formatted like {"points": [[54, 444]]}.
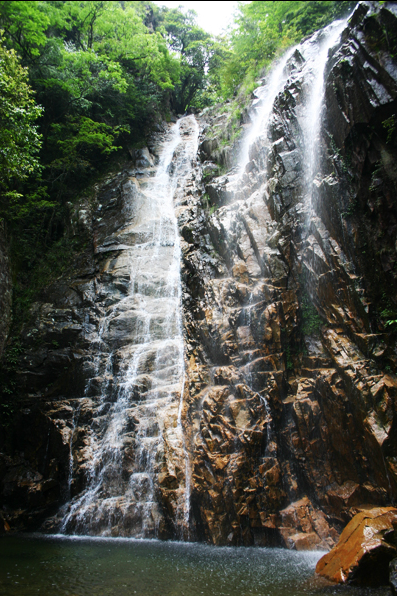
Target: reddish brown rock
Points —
{"points": [[364, 550]]}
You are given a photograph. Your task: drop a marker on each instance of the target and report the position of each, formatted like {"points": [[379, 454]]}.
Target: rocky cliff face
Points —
{"points": [[291, 406], [288, 290]]}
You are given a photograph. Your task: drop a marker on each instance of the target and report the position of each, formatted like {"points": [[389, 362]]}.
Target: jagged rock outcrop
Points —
{"points": [[289, 405]]}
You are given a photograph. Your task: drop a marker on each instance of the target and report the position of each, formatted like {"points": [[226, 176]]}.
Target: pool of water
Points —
{"points": [[70, 566]]}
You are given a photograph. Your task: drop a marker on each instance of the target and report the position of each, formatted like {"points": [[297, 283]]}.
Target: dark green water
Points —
{"points": [[59, 566]]}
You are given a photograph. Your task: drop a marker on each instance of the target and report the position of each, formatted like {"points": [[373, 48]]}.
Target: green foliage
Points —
{"points": [[206, 200], [98, 71], [196, 49], [390, 322], [351, 208], [344, 162], [79, 139], [25, 24], [20, 140], [102, 75], [388, 313]]}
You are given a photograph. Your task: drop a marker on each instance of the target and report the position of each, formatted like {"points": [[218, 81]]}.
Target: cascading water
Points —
{"points": [[257, 137], [140, 366], [263, 107], [139, 412]]}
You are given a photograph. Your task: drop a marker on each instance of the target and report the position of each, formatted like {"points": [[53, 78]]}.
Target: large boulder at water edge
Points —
{"points": [[365, 549]]}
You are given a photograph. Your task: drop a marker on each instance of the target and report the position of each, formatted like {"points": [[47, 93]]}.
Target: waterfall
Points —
{"points": [[136, 459], [139, 366]]}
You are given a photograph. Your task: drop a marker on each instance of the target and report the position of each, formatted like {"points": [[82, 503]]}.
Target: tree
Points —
{"points": [[195, 48], [20, 140], [98, 71], [24, 26]]}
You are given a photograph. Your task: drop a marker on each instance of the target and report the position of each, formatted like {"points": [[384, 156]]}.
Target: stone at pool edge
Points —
{"points": [[364, 550]]}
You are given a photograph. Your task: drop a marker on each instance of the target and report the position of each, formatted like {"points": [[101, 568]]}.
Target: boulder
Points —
{"points": [[365, 549]]}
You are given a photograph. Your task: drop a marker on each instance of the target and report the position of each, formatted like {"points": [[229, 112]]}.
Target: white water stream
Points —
{"points": [[315, 51], [138, 415], [264, 104], [306, 72]]}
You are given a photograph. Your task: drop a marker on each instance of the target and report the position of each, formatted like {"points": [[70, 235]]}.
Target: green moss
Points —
{"points": [[344, 161], [390, 125], [388, 313], [288, 358], [351, 208], [311, 320]]}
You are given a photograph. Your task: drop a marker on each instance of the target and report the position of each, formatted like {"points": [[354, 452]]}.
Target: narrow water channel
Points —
{"points": [[79, 566]]}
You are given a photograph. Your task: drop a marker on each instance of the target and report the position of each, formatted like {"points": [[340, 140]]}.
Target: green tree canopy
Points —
{"points": [[195, 48]]}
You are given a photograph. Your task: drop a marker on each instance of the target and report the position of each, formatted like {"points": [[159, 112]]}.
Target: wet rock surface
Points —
{"points": [[289, 403]]}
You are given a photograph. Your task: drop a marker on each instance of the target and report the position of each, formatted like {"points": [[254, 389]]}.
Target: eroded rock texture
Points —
{"points": [[289, 404]]}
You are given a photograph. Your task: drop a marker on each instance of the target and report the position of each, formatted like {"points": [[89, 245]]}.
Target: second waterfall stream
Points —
{"points": [[137, 383]]}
